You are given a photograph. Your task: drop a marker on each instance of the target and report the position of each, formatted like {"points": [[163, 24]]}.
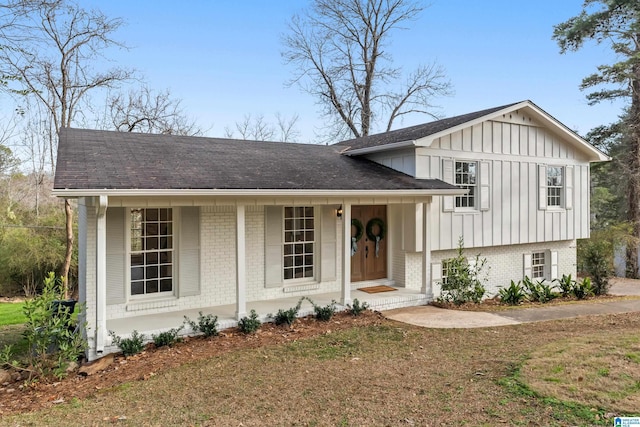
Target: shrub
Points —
{"points": [[289, 316], [512, 295], [207, 325], [463, 280], [167, 338], [324, 313], [129, 346], [52, 335], [356, 309], [249, 325], [596, 265], [582, 290], [565, 285], [538, 291]]}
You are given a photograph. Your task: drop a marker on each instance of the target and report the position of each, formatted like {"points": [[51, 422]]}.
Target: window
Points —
{"points": [[466, 177], [299, 242], [151, 251], [537, 265], [445, 270], [554, 186]]}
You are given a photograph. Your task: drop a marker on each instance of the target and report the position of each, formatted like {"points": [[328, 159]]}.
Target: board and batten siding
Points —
{"points": [[509, 152], [400, 160]]}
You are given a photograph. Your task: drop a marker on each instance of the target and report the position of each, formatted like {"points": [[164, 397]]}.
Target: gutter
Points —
{"points": [[74, 193]]}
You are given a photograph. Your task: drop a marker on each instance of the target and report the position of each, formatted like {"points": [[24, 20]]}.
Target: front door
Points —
{"points": [[369, 251]]}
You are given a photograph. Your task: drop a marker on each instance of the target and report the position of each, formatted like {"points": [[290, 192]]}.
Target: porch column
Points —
{"points": [[241, 264], [101, 272], [345, 297], [427, 286]]}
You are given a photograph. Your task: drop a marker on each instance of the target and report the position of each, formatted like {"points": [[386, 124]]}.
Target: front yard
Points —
{"points": [[370, 371]]}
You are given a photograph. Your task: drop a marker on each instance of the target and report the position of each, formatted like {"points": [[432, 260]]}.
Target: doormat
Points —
{"points": [[377, 289]]}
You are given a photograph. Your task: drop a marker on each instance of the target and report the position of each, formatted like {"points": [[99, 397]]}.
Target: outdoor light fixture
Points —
{"points": [[339, 212]]}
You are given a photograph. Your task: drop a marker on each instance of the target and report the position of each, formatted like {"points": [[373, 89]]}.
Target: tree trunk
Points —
{"points": [[633, 187], [69, 252]]}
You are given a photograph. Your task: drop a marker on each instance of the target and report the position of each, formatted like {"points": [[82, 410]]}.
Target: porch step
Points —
{"points": [[389, 302]]}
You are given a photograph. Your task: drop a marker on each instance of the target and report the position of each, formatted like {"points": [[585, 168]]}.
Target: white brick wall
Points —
{"points": [[256, 290], [218, 266], [506, 263]]}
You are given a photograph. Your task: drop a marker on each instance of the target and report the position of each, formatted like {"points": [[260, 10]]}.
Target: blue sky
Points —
{"points": [[222, 58]]}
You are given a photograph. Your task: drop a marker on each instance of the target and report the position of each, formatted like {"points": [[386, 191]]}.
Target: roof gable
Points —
{"points": [[423, 135]]}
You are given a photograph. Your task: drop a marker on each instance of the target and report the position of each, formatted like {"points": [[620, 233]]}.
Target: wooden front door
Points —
{"points": [[366, 262]]}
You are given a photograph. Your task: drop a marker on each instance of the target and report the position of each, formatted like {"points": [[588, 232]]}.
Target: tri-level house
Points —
{"points": [[171, 225]]}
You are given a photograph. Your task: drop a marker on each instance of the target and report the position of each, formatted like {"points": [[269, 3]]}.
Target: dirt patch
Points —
{"points": [[25, 398]]}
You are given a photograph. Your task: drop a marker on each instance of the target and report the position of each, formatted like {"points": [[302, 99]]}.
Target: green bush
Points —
{"points": [[323, 313], [512, 295], [597, 266], [27, 255], [463, 281], [582, 290], [289, 316], [565, 285], [356, 309], [206, 325], [166, 338], [538, 291], [52, 335], [249, 325], [129, 346]]}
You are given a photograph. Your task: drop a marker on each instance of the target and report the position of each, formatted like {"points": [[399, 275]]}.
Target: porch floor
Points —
{"points": [[155, 323]]}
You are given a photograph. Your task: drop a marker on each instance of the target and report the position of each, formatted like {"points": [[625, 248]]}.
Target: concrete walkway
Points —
{"points": [[433, 317]]}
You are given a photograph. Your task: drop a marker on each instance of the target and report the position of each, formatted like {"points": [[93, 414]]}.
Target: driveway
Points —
{"points": [[434, 317]]}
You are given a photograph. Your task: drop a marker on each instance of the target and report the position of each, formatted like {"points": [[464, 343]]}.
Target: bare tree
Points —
{"points": [[257, 128], [146, 111], [51, 48], [338, 49], [287, 128]]}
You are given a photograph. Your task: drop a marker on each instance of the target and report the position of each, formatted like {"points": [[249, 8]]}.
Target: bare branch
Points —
{"points": [[338, 51], [145, 111]]}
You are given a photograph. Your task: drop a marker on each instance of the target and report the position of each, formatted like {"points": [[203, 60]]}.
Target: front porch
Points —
{"points": [[155, 323]]}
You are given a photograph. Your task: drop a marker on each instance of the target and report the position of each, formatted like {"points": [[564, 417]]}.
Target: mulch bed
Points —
{"points": [[18, 397]]}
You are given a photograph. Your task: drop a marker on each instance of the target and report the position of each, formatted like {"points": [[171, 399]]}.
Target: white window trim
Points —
{"points": [[550, 264], [482, 193], [476, 187], [566, 190], [544, 265], [175, 214], [316, 258]]}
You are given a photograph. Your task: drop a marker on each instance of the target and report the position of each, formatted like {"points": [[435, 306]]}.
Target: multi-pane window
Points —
{"points": [[299, 242], [445, 270], [554, 186], [466, 177], [151, 251], [537, 265]]}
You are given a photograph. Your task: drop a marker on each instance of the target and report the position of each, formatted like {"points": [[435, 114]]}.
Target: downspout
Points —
{"points": [[101, 273]]}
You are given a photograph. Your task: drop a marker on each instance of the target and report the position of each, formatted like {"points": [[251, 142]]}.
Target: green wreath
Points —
{"points": [[381, 225], [359, 228]]}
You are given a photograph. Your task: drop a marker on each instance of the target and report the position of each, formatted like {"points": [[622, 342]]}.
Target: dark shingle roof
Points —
{"points": [[90, 159], [415, 132]]}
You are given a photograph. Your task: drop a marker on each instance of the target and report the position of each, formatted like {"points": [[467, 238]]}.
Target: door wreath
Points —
{"points": [[376, 237], [359, 232]]}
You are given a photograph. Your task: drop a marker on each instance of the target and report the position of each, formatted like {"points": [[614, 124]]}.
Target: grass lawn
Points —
{"points": [[387, 374], [11, 313], [11, 327]]}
